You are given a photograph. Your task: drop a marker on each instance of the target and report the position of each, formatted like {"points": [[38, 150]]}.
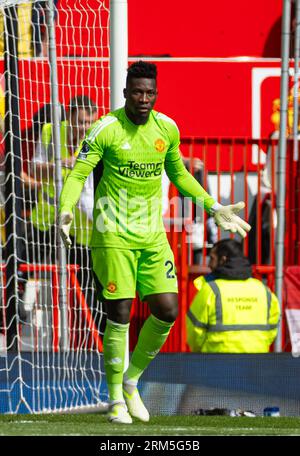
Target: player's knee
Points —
{"points": [[164, 306], [170, 314], [166, 311], [119, 311]]}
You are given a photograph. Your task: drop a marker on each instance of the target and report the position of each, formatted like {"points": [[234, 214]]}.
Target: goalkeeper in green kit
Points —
{"points": [[130, 250]]}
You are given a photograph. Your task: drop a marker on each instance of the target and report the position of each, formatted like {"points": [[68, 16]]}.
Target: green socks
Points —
{"points": [[153, 335], [151, 338], [114, 346]]}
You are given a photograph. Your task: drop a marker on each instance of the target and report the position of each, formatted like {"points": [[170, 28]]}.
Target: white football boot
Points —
{"points": [[135, 404], [118, 414]]}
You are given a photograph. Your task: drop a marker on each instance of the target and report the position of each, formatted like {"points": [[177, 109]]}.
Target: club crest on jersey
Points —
{"points": [[111, 287], [160, 145], [83, 151]]}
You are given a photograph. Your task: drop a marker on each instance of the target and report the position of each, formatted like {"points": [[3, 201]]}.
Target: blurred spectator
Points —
{"points": [[269, 186], [198, 226], [268, 215], [28, 136], [31, 136], [82, 112], [29, 188], [197, 171], [231, 312], [196, 229]]}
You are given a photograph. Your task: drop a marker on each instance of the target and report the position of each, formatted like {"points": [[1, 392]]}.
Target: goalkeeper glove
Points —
{"points": [[65, 222], [226, 218]]}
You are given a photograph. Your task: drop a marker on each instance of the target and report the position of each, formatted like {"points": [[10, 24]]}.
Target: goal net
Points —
{"points": [[50, 348]]}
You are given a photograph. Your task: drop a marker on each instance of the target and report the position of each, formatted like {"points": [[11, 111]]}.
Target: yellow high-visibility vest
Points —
{"points": [[232, 316]]}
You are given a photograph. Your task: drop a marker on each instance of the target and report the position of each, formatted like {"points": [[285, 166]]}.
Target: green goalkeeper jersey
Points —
{"points": [[127, 205]]}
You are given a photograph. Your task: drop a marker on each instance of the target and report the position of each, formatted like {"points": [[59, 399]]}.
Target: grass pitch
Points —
{"points": [[97, 425]]}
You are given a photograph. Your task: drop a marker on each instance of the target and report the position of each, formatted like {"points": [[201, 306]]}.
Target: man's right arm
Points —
{"points": [[69, 197], [197, 316], [196, 327], [73, 186], [89, 156]]}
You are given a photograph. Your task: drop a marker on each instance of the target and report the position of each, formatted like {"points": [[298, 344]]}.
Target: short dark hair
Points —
{"points": [[142, 69], [229, 248], [44, 115], [82, 102]]}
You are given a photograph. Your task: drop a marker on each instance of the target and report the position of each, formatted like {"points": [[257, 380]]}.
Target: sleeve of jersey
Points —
{"points": [[274, 316], [88, 157], [196, 323], [183, 180], [274, 319]]}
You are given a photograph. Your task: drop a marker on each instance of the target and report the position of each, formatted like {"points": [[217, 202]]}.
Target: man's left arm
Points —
{"points": [[186, 183], [225, 216], [274, 317], [197, 322]]}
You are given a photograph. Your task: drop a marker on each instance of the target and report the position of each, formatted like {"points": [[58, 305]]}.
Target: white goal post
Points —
{"points": [[55, 62]]}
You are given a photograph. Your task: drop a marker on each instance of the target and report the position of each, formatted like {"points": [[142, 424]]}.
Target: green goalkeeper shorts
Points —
{"points": [[122, 272]]}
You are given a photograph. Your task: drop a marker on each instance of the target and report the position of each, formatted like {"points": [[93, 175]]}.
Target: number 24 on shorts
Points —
{"points": [[170, 272]]}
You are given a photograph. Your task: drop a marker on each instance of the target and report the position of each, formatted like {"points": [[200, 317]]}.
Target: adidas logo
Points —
{"points": [[113, 361], [126, 146]]}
